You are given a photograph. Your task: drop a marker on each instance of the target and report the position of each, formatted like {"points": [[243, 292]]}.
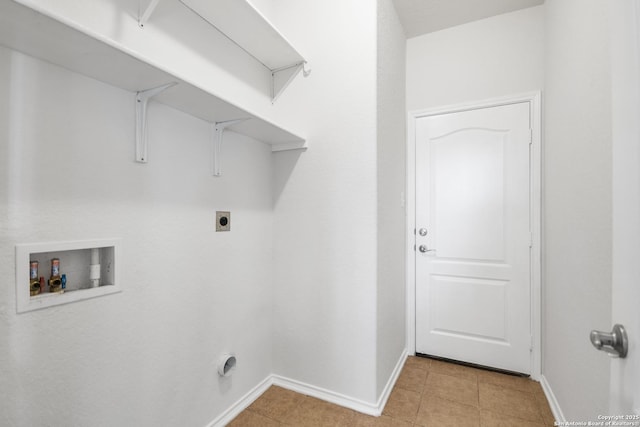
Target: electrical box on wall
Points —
{"points": [[55, 273], [223, 221]]}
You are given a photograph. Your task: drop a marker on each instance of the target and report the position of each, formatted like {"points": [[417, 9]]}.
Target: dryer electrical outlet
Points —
{"points": [[223, 221]]}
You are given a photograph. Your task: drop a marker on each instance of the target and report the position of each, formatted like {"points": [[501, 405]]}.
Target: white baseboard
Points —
{"points": [[553, 402], [386, 392], [342, 400], [374, 409], [242, 404], [326, 395]]}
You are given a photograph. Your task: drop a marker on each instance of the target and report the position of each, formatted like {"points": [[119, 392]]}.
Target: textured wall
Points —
{"points": [[306, 223], [325, 203], [578, 206], [391, 307], [498, 56], [624, 396], [146, 356]]}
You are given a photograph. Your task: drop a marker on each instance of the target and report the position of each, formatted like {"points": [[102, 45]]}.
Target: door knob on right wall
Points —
{"points": [[614, 343]]}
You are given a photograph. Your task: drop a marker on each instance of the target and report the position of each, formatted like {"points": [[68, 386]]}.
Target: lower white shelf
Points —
{"points": [[90, 269]]}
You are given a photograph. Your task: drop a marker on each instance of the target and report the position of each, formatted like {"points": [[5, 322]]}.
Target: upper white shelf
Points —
{"points": [[243, 24], [35, 34], [249, 29]]}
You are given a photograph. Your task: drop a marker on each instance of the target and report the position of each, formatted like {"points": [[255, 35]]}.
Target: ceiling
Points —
{"points": [[425, 16]]}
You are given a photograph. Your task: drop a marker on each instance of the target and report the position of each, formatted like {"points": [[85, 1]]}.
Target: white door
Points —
{"points": [[473, 238], [625, 373]]}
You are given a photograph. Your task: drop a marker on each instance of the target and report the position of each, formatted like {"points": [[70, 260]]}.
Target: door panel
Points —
{"points": [[468, 171], [473, 198], [485, 298]]}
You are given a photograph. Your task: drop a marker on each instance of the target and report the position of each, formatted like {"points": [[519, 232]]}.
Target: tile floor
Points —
{"points": [[428, 393]]}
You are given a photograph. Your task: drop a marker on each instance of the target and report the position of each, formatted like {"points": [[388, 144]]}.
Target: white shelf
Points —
{"points": [[242, 23], [249, 29], [31, 32], [75, 263]]}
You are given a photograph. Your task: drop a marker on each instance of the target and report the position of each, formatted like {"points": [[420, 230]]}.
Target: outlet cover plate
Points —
{"points": [[223, 221]]}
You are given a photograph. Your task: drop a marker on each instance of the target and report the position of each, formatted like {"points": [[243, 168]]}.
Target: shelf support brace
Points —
{"points": [[218, 131], [144, 15], [282, 77], [142, 98]]}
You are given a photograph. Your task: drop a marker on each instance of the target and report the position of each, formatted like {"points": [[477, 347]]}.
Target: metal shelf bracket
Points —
{"points": [[282, 77], [142, 98], [218, 131], [145, 14]]}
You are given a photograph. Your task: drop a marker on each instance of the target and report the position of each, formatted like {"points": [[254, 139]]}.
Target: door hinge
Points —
{"points": [[530, 136], [530, 240]]}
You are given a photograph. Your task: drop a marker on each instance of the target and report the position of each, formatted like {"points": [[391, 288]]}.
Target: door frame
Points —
{"points": [[534, 99]]}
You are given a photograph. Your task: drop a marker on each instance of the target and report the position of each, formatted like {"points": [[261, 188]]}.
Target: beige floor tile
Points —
{"points": [[536, 389], [543, 404], [412, 378], [438, 412], [251, 419], [429, 393], [454, 370], [418, 362], [362, 420], [545, 409], [313, 412], [452, 388], [513, 403], [506, 381], [276, 402], [403, 405], [490, 419]]}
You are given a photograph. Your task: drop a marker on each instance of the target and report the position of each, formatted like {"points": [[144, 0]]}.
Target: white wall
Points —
{"points": [[492, 57], [578, 212], [306, 223], [146, 356], [325, 203], [624, 395], [391, 155]]}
